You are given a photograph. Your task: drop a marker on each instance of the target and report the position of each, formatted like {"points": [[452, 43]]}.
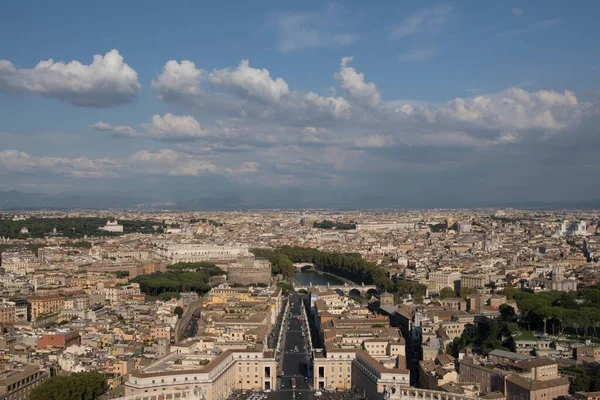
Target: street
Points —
{"points": [[295, 361]]}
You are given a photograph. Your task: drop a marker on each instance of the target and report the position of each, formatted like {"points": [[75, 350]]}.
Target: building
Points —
{"points": [[248, 271], [522, 388], [42, 305], [572, 228], [17, 382], [374, 226], [7, 314], [112, 226], [58, 339], [215, 377], [474, 281], [194, 252], [435, 373], [118, 293], [440, 280], [20, 305]]}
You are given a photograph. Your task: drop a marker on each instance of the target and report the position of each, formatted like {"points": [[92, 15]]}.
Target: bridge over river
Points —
{"points": [[345, 289]]}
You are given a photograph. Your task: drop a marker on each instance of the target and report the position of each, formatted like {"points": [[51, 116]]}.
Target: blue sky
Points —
{"points": [[485, 101]]}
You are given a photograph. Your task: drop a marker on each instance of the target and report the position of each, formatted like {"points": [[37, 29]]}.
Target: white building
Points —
{"points": [[572, 228], [195, 252], [112, 226]]}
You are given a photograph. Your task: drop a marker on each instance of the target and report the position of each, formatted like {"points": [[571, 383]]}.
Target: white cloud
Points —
{"points": [[426, 20], [172, 126], [245, 92], [355, 87], [115, 130], [167, 162], [108, 81], [13, 161], [252, 82], [179, 79], [361, 119], [517, 12], [309, 30], [168, 127], [509, 110], [417, 55], [171, 162]]}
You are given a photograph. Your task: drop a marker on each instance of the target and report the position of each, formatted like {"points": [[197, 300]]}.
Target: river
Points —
{"points": [[308, 277]]}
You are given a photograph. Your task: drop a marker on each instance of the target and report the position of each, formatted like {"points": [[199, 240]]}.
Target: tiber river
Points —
{"points": [[308, 277]]}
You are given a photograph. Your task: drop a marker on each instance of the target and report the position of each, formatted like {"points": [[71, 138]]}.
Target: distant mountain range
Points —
{"points": [[291, 199]]}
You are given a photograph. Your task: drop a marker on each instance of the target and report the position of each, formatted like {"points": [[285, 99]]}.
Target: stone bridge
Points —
{"points": [[345, 289], [299, 266]]}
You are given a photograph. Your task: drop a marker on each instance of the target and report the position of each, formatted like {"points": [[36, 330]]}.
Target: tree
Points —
{"points": [[179, 311], [465, 292], [169, 295], [507, 312], [121, 274], [78, 386], [447, 293], [285, 287], [285, 266]]}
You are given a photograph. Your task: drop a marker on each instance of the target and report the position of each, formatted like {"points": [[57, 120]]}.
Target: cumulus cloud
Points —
{"points": [[167, 162], [263, 111], [107, 82], [168, 127], [513, 109], [355, 87], [313, 29], [115, 130], [245, 92], [426, 20], [172, 126], [179, 79], [252, 82], [13, 161], [171, 162]]}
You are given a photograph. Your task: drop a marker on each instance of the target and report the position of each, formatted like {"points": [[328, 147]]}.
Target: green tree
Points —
{"points": [[286, 266], [169, 295], [179, 311], [447, 293], [465, 292], [78, 386], [285, 287], [121, 274]]}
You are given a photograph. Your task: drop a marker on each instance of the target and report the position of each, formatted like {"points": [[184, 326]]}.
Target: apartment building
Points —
{"points": [[517, 375], [360, 349], [16, 382], [58, 339], [41, 305], [474, 281], [7, 314], [440, 280], [216, 378]]}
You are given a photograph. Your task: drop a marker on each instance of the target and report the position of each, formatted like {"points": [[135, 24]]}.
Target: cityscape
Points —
{"points": [[316, 200], [300, 304]]}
